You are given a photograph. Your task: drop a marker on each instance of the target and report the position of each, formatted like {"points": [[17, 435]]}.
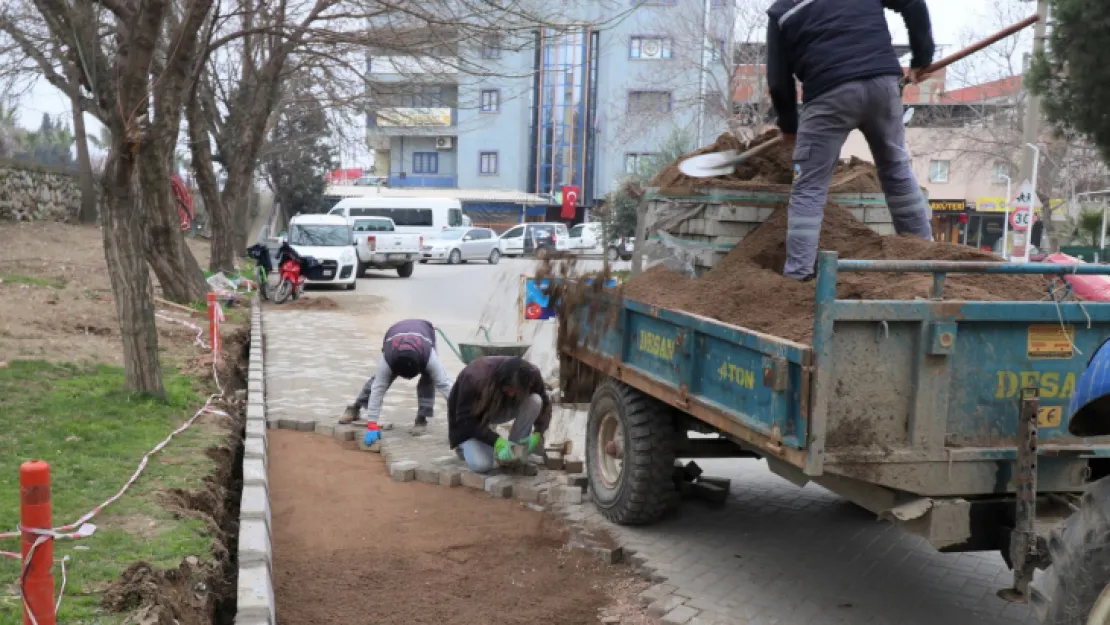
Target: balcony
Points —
{"points": [[412, 66], [410, 121], [435, 181]]}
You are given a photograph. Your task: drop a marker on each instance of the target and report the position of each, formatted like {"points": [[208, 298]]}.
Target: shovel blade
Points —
{"points": [[709, 165]]}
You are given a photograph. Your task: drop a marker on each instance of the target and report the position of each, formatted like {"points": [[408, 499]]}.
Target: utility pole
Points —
{"points": [[1032, 124]]}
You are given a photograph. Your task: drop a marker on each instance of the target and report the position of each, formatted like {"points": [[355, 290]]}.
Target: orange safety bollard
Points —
{"points": [[35, 513], [214, 323]]}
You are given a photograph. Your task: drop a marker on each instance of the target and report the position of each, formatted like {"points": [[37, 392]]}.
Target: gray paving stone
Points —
{"points": [[655, 593], [254, 544], [255, 411], [255, 504], [256, 428], [255, 596], [679, 616], [565, 494], [429, 476], [403, 471], [500, 487], [325, 429], [664, 605], [530, 493], [306, 426], [471, 479], [450, 477], [288, 424], [255, 448], [344, 433], [254, 473]]}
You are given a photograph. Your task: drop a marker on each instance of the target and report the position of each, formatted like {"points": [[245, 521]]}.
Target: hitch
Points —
{"points": [[1027, 551]]}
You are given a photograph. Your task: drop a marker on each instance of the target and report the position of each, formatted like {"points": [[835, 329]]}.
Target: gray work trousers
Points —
{"points": [[425, 395], [479, 456], [874, 106]]}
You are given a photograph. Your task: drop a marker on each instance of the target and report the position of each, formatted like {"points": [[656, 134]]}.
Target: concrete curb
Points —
{"points": [[255, 595]]}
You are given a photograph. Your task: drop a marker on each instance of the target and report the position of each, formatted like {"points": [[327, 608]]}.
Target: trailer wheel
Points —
{"points": [[630, 453], [1077, 584]]}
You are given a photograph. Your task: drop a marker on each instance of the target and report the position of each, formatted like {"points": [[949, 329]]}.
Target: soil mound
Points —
{"points": [[771, 170], [747, 288]]}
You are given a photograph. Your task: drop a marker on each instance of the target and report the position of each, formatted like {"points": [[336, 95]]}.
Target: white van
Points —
{"points": [[409, 214], [329, 240]]}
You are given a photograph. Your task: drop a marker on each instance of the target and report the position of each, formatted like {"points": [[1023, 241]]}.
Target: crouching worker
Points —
{"points": [[408, 350], [491, 391]]}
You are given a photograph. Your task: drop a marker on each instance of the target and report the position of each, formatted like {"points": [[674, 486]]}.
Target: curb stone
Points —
{"points": [[255, 592]]}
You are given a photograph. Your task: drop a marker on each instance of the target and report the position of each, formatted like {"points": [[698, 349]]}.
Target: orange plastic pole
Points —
{"points": [[35, 513], [213, 324]]}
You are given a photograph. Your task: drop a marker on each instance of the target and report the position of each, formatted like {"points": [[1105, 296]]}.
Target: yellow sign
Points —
{"points": [[946, 206], [740, 376], [1052, 385], [398, 117], [1051, 341], [997, 204], [658, 346], [1050, 416]]}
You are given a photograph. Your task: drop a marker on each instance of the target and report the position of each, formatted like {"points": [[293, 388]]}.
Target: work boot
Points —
{"points": [[350, 414], [419, 427]]}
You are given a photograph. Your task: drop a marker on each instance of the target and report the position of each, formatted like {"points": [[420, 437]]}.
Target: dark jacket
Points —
{"points": [[463, 423], [826, 43], [410, 334]]}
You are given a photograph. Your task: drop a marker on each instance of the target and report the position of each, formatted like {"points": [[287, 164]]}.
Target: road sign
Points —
{"points": [[1021, 219]]}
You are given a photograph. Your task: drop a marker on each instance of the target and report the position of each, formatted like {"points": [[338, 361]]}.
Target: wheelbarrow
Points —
{"points": [[469, 352]]}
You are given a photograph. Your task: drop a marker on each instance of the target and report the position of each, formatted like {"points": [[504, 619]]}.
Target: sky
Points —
{"points": [[951, 20]]}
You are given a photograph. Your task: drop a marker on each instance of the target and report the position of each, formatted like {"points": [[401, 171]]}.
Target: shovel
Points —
{"points": [[724, 163]]}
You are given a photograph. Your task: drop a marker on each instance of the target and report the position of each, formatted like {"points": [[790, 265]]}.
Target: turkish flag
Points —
{"points": [[570, 202]]}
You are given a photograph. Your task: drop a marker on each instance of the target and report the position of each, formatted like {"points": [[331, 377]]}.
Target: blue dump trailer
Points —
{"points": [[977, 425]]}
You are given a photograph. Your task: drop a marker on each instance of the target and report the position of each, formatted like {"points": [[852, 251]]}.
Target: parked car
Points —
{"points": [[380, 246], [587, 239], [327, 239], [424, 216], [537, 239], [458, 245]]}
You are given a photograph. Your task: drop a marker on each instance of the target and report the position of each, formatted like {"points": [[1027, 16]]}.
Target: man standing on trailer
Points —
{"points": [[841, 52]]}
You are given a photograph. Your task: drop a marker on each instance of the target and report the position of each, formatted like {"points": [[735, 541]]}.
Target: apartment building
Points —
{"points": [[573, 107]]}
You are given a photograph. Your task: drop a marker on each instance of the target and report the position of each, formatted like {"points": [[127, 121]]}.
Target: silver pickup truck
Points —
{"points": [[380, 246]]}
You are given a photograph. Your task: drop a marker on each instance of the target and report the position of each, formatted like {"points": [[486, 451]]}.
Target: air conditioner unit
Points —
{"points": [[443, 143]]}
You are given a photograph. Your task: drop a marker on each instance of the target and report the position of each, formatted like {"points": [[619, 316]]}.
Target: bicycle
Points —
{"points": [[261, 257]]}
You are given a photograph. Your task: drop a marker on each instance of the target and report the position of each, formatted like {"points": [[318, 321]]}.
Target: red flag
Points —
{"points": [[570, 202]]}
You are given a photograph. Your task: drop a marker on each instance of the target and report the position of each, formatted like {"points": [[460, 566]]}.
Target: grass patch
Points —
{"points": [[93, 434], [15, 278]]}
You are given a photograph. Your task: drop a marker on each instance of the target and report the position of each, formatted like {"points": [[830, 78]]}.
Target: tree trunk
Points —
{"points": [[122, 227], [222, 250], [84, 163], [231, 214], [178, 272]]}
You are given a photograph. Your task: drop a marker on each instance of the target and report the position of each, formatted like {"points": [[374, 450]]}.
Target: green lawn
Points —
{"points": [[14, 278], [93, 434]]}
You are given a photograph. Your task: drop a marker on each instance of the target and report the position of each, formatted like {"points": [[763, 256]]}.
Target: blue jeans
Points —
{"points": [[479, 456]]}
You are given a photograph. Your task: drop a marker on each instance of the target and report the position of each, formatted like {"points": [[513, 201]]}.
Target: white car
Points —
{"points": [[587, 239], [458, 245], [535, 238], [380, 246], [328, 239]]}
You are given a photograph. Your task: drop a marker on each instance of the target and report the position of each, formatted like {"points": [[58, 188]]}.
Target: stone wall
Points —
{"points": [[30, 192]]}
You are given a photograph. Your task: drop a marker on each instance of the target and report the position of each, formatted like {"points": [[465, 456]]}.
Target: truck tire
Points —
{"points": [[639, 488], [1080, 572], [405, 270], [360, 271]]}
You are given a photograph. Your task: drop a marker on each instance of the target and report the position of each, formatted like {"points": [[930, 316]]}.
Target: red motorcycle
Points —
{"points": [[292, 270]]}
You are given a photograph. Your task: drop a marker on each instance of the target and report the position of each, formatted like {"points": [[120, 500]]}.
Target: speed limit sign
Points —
{"points": [[1021, 219]]}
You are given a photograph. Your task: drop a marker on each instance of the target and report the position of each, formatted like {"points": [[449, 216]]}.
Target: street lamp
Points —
{"points": [[1006, 221]]}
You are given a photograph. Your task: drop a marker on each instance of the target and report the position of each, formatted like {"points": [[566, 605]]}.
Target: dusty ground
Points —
{"points": [[55, 296], [352, 546]]}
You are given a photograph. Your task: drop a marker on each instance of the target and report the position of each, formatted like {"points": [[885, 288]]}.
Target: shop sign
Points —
{"points": [[947, 206]]}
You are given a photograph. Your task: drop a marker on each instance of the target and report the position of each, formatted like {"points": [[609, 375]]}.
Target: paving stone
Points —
{"points": [[256, 428], [610, 555], [254, 504], [255, 411], [723, 482], [254, 473], [288, 424], [554, 461], [254, 544], [343, 433], [679, 616], [254, 448], [325, 429], [254, 387], [565, 494], [530, 493], [709, 492], [471, 479], [655, 593], [581, 480], [255, 595], [664, 605], [429, 476], [500, 487], [441, 460], [449, 477], [573, 464], [403, 471], [306, 426]]}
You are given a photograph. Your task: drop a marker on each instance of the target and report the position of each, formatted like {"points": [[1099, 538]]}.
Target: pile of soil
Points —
{"points": [[352, 546], [772, 170], [747, 288], [318, 302]]}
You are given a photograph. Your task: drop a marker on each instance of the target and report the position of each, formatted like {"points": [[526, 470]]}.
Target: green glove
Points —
{"points": [[503, 450], [535, 441]]}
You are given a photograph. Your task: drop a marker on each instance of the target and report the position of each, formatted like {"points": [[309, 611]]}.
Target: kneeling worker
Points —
{"points": [[408, 350], [491, 391]]}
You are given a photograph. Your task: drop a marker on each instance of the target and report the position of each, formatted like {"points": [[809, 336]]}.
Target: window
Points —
{"points": [[639, 162], [641, 102], [489, 101], [415, 96], [491, 47], [999, 172], [717, 50], [938, 171], [425, 163], [649, 48], [576, 232], [513, 233], [454, 217], [478, 234], [400, 216], [487, 163]]}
